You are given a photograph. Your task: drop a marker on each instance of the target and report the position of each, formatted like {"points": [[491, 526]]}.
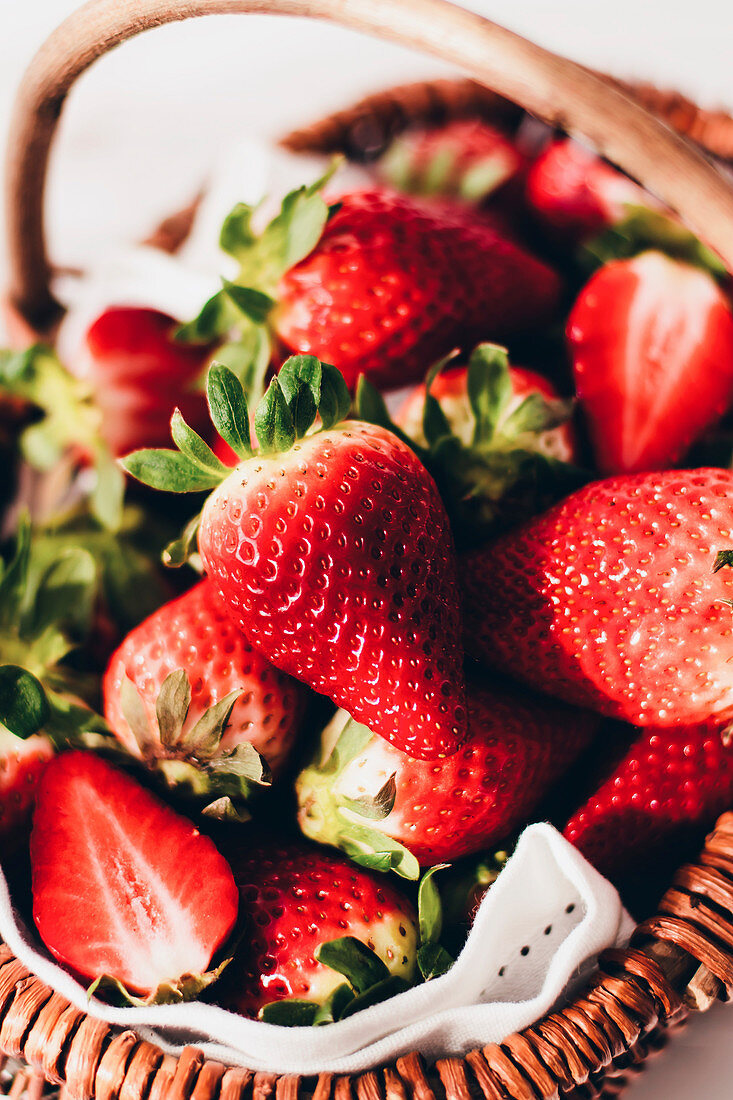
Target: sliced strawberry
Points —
{"points": [[21, 766], [122, 886], [651, 341], [575, 193]]}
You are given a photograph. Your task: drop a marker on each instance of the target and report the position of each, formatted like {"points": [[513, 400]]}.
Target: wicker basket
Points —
{"points": [[680, 960]]}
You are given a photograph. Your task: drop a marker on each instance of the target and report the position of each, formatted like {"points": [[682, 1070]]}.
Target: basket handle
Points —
{"points": [[556, 90]]}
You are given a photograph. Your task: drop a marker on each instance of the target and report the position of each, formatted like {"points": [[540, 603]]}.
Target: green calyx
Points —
{"points": [[304, 389], [191, 761], [498, 476], [238, 314], [643, 229], [69, 425], [352, 825], [441, 174], [45, 610], [188, 987]]}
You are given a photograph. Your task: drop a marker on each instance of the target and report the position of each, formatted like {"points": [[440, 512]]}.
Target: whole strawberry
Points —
{"points": [[295, 899], [123, 888], [362, 794], [465, 158], [651, 342], [332, 551], [668, 788], [575, 194], [196, 634], [21, 765], [379, 284], [609, 600], [496, 439], [138, 374]]}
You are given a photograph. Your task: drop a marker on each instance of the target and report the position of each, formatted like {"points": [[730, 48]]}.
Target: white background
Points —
{"points": [[145, 125]]}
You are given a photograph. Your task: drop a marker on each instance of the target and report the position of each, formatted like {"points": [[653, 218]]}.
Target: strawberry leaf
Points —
{"points": [[171, 707], [643, 229], [274, 421], [135, 714], [489, 388], [107, 497], [353, 739], [722, 558], [253, 303], [429, 908], [217, 316], [361, 966], [248, 357], [170, 471], [191, 445], [379, 806], [178, 552], [382, 991], [24, 707], [204, 739], [433, 961], [228, 408], [535, 415], [333, 1007], [300, 380], [237, 235], [371, 406], [65, 594], [335, 401], [289, 1012]]}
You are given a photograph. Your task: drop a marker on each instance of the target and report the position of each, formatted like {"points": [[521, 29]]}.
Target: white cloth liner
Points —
{"points": [[495, 987]]}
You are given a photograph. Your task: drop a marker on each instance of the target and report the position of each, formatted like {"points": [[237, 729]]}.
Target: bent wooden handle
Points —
{"points": [[553, 88]]}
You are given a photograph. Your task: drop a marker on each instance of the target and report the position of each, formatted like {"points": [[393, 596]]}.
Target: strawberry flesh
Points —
{"points": [[122, 885], [651, 341], [21, 765]]}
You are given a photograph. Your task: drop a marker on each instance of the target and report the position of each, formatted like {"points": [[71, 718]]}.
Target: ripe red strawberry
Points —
{"points": [[465, 158], [139, 374], [651, 341], [670, 785], [450, 388], [609, 600], [195, 633], [332, 551], [21, 766], [362, 790], [393, 284], [576, 194], [122, 886], [296, 898]]}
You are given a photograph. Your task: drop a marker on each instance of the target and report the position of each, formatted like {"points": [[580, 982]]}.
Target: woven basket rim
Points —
{"points": [[679, 960]]}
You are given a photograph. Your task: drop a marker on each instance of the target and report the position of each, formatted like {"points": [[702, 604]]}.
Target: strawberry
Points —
{"points": [[609, 600], [651, 341], [575, 194], [495, 439], [195, 633], [363, 795], [380, 285], [332, 551], [450, 390], [296, 899], [122, 886], [670, 785], [21, 765], [465, 158], [138, 374]]}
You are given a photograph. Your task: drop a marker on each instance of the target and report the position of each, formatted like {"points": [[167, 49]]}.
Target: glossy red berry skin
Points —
{"points": [[294, 897], [337, 562], [610, 601], [396, 282], [669, 786], [21, 765], [196, 633], [518, 746]]}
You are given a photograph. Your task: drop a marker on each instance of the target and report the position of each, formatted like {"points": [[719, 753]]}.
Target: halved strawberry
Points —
{"points": [[21, 765], [122, 886], [651, 341]]}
